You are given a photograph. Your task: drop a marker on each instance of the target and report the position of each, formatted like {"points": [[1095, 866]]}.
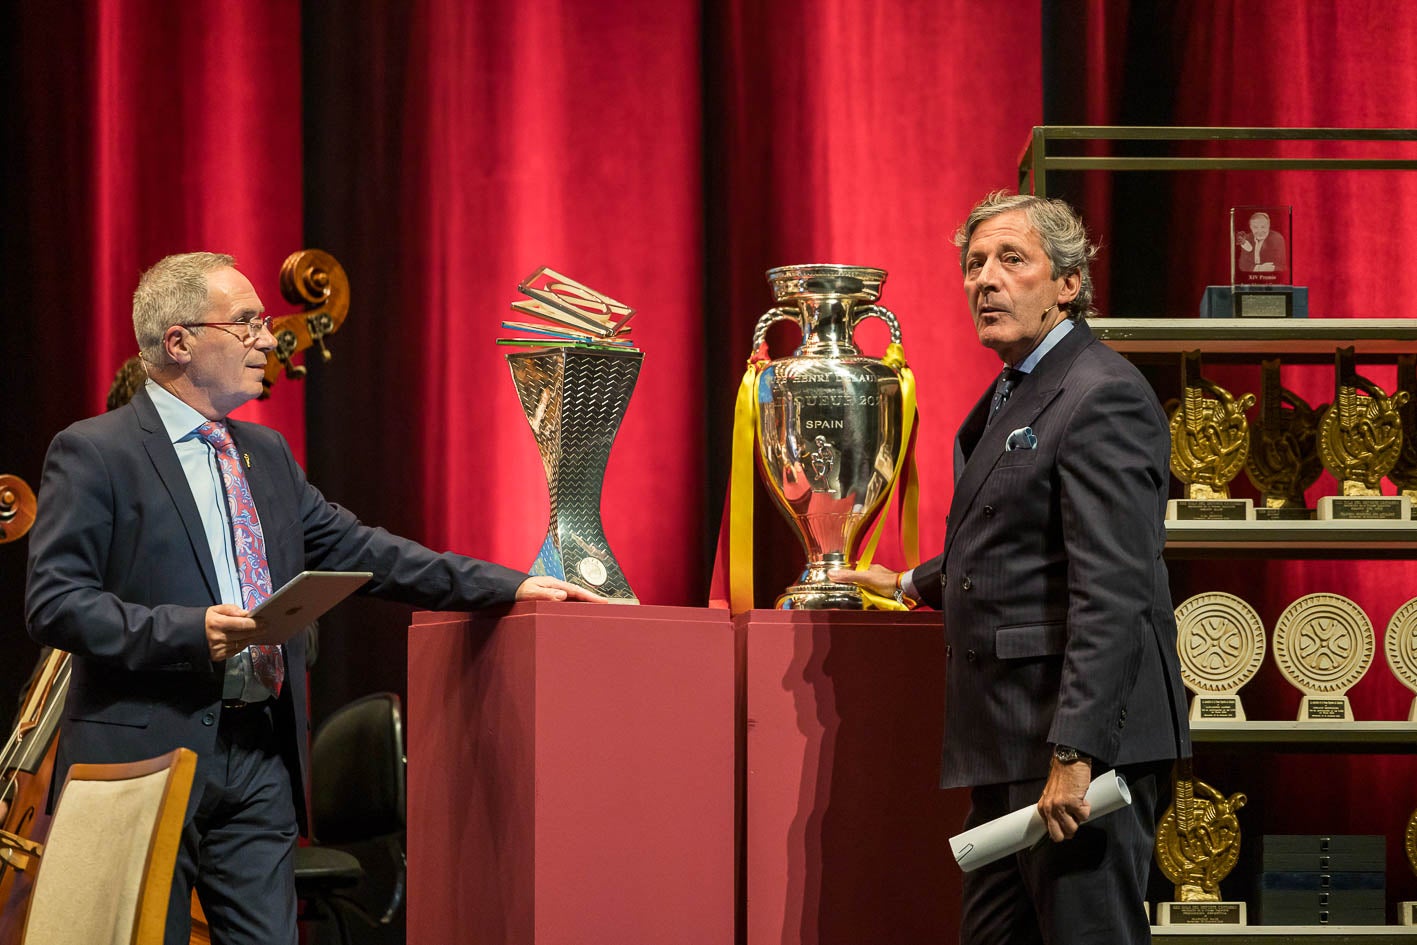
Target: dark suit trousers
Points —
{"points": [[1090, 890], [238, 851]]}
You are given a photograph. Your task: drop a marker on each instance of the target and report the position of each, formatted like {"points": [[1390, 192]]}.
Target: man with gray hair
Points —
{"points": [[160, 526], [1060, 640]]}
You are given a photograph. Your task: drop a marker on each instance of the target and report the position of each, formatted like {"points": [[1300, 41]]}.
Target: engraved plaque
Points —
{"points": [[1220, 641], [1323, 644], [1400, 647]]}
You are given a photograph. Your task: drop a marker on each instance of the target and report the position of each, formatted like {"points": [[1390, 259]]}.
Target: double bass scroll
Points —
{"points": [[315, 279]]}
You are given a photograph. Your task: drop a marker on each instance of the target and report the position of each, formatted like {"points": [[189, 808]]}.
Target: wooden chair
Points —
{"points": [[106, 872]]}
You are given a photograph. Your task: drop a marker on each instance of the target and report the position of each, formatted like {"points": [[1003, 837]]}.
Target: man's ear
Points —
{"points": [[176, 343], [1069, 286]]}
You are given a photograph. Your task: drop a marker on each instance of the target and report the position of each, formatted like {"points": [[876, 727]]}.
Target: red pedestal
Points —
{"points": [[845, 830], [571, 776]]}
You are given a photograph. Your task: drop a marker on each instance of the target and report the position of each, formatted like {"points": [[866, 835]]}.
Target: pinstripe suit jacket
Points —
{"points": [[1059, 626]]}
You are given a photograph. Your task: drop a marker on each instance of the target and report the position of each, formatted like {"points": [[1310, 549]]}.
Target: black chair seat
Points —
{"points": [[319, 869]]}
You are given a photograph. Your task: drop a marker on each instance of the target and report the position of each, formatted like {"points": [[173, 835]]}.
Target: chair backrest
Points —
{"points": [[357, 771], [106, 873]]}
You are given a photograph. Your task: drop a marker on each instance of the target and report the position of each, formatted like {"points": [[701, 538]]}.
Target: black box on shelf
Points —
{"points": [[1313, 879]]}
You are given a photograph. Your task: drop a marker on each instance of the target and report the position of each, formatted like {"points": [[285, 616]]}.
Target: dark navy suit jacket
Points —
{"points": [[1059, 626], [120, 576]]}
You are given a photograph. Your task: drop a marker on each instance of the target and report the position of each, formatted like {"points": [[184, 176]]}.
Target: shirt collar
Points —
{"points": [[179, 419], [1058, 333]]}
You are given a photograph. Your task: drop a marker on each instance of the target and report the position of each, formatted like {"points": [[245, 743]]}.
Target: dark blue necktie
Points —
{"points": [[1008, 380]]}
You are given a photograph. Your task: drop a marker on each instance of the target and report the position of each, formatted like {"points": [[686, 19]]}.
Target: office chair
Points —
{"points": [[357, 794]]}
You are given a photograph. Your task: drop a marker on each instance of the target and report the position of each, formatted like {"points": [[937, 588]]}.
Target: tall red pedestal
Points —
{"points": [[845, 830], [571, 776]]}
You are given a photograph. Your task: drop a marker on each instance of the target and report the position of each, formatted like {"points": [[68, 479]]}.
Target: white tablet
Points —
{"points": [[306, 596]]}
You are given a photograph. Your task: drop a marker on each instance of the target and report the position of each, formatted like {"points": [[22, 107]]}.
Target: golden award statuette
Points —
{"points": [[1323, 644], [1197, 845], [1210, 440], [1284, 454], [1404, 472], [1407, 911], [1400, 647], [1360, 439], [1220, 640]]}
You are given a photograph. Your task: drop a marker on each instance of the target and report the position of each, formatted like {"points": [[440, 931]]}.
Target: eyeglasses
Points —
{"points": [[253, 326]]}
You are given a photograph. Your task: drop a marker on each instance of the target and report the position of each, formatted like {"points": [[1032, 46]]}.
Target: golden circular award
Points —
{"points": [[1220, 640], [1323, 644], [1400, 647]]}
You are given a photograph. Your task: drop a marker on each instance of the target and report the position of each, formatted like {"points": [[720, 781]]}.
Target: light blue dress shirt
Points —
{"points": [[199, 465]]}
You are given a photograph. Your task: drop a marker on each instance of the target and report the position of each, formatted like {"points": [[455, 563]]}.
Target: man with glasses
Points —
{"points": [[160, 525]]}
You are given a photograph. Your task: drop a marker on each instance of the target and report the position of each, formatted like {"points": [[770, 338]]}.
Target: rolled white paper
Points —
{"points": [[1023, 828]]}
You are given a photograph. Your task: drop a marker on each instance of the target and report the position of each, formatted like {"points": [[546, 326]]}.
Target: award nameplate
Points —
{"points": [[1201, 913], [1400, 647], [1210, 440], [1365, 508], [1323, 644], [1220, 641], [1197, 845]]}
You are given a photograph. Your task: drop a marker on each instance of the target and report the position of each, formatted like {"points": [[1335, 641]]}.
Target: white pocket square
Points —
{"points": [[1021, 439]]}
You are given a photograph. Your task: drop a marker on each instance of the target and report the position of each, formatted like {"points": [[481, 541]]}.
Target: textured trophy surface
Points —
{"points": [[574, 400], [829, 423]]}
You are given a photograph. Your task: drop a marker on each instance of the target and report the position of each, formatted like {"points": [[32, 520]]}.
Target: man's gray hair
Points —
{"points": [[1057, 225], [173, 292]]}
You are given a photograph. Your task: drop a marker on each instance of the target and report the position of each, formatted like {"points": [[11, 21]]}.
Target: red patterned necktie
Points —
{"points": [[250, 544]]}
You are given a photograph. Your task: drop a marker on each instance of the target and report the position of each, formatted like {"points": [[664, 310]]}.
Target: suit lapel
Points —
{"points": [[174, 480], [1022, 409]]}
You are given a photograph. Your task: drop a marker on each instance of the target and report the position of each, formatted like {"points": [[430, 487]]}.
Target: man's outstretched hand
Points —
{"points": [[541, 587]]}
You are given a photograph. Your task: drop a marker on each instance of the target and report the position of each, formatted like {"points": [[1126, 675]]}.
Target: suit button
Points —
{"points": [[949, 650], [209, 719], [965, 583], [988, 511], [971, 656]]}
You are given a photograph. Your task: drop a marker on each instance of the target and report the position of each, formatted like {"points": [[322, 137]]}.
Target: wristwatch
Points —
{"points": [[1066, 755]]}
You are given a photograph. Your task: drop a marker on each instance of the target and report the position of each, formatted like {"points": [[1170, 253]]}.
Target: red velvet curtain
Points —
{"points": [[1283, 64], [133, 129]]}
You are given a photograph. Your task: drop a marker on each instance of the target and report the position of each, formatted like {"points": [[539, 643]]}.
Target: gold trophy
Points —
{"points": [[1210, 440], [1323, 644], [1407, 911], [1404, 472], [1220, 641], [1284, 456], [1360, 440], [1197, 845], [1400, 647]]}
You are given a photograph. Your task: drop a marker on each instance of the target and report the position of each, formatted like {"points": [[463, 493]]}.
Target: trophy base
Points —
{"points": [[1316, 709], [822, 596], [1278, 301], [1210, 510], [1407, 913], [1284, 515], [1217, 709], [1365, 508], [1201, 913]]}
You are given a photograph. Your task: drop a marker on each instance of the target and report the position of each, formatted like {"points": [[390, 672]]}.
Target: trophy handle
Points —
{"points": [[780, 313], [884, 314]]}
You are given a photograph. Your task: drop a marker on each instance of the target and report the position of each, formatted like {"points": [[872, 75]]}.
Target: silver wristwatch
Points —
{"points": [[1066, 755]]}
